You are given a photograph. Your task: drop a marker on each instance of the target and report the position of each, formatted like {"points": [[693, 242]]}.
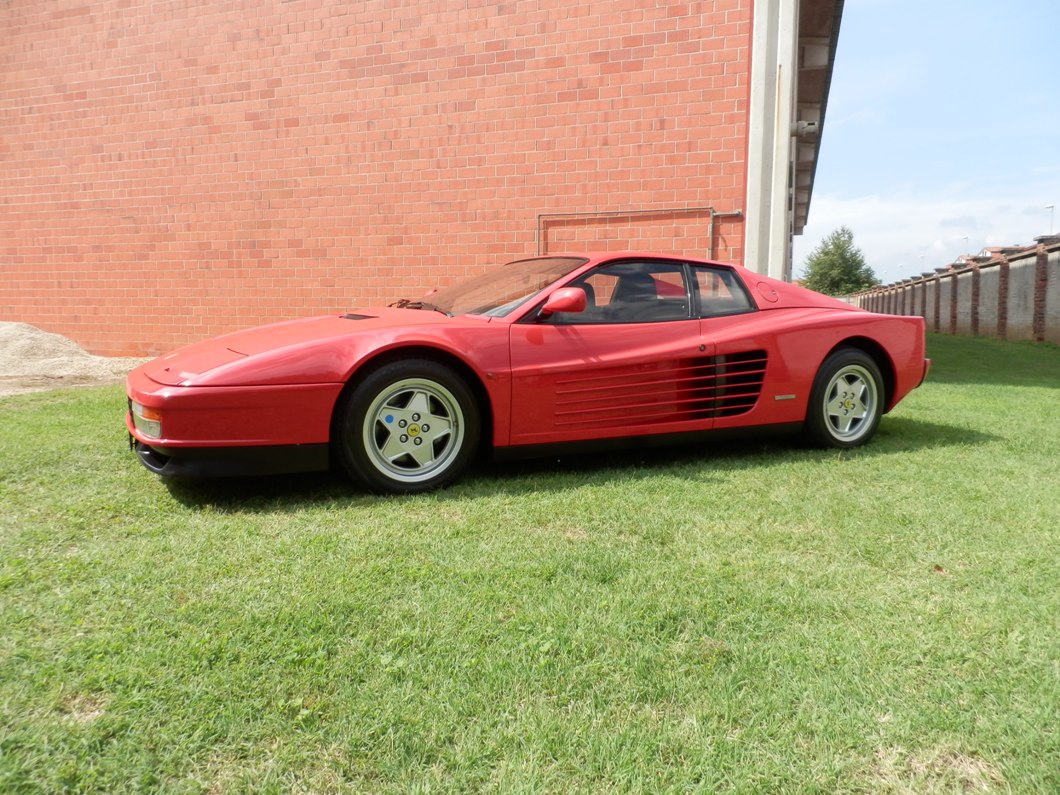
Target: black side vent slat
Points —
{"points": [[730, 384], [351, 316]]}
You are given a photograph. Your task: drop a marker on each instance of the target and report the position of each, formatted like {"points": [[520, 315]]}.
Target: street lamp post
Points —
{"points": [[1051, 210]]}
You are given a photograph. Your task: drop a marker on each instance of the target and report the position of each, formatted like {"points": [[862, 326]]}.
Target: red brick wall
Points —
{"points": [[172, 170]]}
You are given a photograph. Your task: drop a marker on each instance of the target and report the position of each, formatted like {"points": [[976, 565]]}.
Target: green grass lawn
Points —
{"points": [[745, 617]]}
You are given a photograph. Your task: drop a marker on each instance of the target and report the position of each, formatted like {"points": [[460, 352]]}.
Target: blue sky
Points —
{"points": [[942, 134]]}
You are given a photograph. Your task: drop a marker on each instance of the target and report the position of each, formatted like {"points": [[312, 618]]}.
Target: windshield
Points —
{"points": [[501, 291]]}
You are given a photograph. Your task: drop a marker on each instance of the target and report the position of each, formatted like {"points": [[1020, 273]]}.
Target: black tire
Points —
{"points": [[846, 401], [412, 425]]}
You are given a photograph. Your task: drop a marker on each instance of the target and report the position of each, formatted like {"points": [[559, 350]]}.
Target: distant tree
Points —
{"points": [[837, 266]]}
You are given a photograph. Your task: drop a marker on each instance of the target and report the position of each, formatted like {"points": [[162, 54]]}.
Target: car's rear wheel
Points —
{"points": [[409, 426], [846, 400]]}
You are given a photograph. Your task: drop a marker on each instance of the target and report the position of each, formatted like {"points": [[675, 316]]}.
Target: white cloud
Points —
{"points": [[904, 234]]}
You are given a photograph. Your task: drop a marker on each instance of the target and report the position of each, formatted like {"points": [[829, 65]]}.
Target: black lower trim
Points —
{"points": [[634, 442], [215, 462]]}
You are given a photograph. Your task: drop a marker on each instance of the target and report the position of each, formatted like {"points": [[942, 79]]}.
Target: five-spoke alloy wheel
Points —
{"points": [[846, 400], [411, 425]]}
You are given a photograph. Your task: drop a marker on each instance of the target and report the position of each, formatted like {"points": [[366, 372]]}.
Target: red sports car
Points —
{"points": [[567, 352]]}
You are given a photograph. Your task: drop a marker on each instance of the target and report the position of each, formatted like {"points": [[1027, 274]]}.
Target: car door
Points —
{"points": [[744, 364], [628, 365]]}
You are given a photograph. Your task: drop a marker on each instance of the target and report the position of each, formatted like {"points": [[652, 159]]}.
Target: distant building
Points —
{"points": [[175, 170]]}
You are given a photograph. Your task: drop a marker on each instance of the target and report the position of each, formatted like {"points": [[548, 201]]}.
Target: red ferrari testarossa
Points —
{"points": [[557, 352]]}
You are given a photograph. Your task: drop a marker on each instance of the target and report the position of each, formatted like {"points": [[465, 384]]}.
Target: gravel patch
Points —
{"points": [[32, 360]]}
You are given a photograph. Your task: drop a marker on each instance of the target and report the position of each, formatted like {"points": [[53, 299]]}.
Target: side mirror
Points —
{"points": [[565, 299]]}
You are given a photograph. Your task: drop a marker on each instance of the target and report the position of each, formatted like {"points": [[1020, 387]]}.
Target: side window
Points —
{"points": [[720, 292], [632, 292], [599, 289]]}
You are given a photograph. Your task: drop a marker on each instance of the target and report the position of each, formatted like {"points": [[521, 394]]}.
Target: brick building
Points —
{"points": [[172, 169]]}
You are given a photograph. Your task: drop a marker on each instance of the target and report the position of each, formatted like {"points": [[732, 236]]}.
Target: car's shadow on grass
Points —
{"points": [[699, 462], [267, 493]]}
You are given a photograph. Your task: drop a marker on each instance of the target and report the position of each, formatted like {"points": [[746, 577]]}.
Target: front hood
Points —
{"points": [[305, 349], [177, 367]]}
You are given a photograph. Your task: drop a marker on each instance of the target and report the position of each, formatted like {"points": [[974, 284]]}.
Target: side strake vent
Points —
{"points": [[351, 316], [733, 383], [674, 391]]}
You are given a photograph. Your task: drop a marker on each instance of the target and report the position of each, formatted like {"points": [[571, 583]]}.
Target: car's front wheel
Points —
{"points": [[409, 426], [846, 400]]}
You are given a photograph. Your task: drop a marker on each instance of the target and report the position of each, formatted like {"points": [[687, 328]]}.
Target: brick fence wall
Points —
{"points": [[172, 170], [1015, 298]]}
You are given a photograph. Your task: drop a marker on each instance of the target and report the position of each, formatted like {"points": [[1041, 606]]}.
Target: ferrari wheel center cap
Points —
{"points": [[414, 430]]}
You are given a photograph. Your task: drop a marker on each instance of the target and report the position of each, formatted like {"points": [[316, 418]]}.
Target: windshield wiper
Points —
{"points": [[405, 303]]}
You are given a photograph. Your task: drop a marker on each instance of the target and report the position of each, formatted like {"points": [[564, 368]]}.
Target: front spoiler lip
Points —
{"points": [[218, 462]]}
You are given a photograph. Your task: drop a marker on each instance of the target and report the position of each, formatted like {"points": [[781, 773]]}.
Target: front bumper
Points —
{"points": [[227, 431]]}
